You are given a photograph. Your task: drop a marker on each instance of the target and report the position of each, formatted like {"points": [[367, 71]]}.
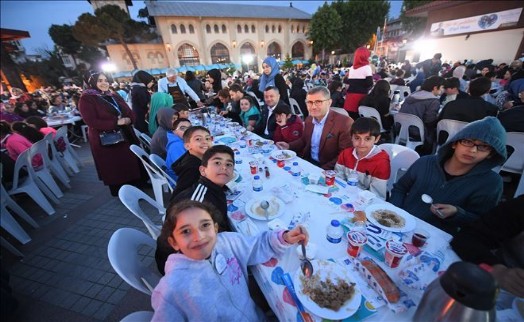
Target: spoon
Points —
{"points": [[305, 264], [427, 199], [265, 205]]}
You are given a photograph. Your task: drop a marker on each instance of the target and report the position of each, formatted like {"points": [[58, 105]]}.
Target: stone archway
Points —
{"points": [[188, 55]]}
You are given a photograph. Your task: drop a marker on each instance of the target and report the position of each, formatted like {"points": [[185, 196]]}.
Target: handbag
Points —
{"points": [[111, 138]]}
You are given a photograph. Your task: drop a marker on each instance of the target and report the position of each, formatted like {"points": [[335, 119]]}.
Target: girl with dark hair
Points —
{"points": [[106, 113], [27, 131], [379, 99], [41, 125], [16, 142], [140, 98], [22, 109]]}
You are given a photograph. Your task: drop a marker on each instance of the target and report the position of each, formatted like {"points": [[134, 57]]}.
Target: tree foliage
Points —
{"points": [[360, 20], [325, 30], [288, 63], [111, 23], [63, 36], [413, 25]]}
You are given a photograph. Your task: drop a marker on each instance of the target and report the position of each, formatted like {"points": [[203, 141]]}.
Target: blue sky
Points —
{"points": [[37, 16]]}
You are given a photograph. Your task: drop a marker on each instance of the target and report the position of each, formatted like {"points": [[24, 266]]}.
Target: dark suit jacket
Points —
{"points": [[271, 123], [335, 138]]}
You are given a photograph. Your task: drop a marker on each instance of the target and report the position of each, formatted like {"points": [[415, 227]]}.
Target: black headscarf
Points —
{"points": [[143, 77], [91, 78], [217, 79]]}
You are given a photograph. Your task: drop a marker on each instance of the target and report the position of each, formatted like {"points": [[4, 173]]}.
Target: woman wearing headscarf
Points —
{"points": [[214, 77], [271, 77], [197, 87], [105, 113], [360, 81], [140, 98], [299, 94], [165, 120], [158, 101]]}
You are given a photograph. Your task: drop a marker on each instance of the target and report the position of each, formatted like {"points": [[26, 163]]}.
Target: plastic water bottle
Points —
{"points": [[353, 182], [229, 107], [204, 116], [295, 170], [257, 184], [334, 232]]}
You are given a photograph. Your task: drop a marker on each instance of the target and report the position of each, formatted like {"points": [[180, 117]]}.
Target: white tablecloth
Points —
{"points": [[320, 210], [58, 121]]}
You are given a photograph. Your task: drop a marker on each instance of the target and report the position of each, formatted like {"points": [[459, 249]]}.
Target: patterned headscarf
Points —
{"points": [[269, 80], [90, 83]]}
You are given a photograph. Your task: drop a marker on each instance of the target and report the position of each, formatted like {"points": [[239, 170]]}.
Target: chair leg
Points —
{"points": [[38, 197], [8, 223], [11, 204], [7, 245]]}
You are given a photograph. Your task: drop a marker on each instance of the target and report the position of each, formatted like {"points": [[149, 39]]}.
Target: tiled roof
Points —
{"points": [[236, 10]]}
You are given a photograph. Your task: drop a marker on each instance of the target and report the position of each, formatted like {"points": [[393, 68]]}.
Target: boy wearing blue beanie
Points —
{"points": [[458, 177]]}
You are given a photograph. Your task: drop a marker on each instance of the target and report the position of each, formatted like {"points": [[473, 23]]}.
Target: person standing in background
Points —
{"points": [[360, 81], [140, 98]]}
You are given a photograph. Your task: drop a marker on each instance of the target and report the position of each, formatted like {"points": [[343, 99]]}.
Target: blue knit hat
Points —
{"points": [[488, 130]]}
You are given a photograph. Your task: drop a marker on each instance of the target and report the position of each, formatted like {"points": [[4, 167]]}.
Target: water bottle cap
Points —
{"points": [[256, 177], [335, 223], [295, 163]]}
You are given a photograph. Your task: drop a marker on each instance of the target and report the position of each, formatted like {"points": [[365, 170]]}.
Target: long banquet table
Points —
{"points": [[315, 211]]}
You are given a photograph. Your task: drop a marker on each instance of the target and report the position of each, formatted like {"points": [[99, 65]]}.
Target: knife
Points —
{"points": [[289, 284]]}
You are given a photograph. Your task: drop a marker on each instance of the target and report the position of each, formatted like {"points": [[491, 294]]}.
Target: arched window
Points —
{"points": [[292, 29], [208, 29], [216, 29], [273, 28], [239, 29], [173, 29], [191, 29], [279, 29], [253, 30], [188, 55], [224, 29], [246, 29], [182, 29], [297, 51], [274, 50], [267, 29], [219, 54], [304, 29]]}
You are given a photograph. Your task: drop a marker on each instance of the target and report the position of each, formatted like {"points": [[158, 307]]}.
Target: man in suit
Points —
{"points": [[326, 133], [267, 127]]}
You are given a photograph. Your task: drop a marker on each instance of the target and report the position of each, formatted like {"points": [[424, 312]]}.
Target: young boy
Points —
{"points": [[289, 127], [182, 110], [369, 161], [197, 140], [458, 178], [175, 144], [216, 170]]}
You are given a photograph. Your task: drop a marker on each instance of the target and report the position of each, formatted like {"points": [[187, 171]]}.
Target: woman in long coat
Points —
{"points": [[140, 98], [104, 111]]}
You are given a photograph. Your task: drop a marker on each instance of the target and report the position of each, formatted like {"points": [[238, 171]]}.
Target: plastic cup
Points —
{"points": [[419, 238], [356, 241], [253, 166], [281, 163], [238, 160], [359, 226], [394, 252], [242, 144], [330, 177], [313, 178]]}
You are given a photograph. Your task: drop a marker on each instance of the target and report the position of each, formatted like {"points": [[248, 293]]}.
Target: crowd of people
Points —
{"points": [[328, 132]]}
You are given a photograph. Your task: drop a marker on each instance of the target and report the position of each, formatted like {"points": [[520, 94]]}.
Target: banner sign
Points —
{"points": [[489, 21]]}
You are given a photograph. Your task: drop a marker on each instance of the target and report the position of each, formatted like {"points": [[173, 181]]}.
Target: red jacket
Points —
{"points": [[291, 131]]}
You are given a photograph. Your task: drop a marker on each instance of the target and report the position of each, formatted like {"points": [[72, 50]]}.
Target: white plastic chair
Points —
{"points": [[162, 167], [367, 111], [392, 88], [28, 185], [43, 172], [158, 181], [7, 202], [260, 103], [450, 127], [140, 316], [52, 160], [7, 245], [339, 110], [406, 121], [145, 144], [69, 154], [405, 91], [57, 157], [520, 186], [515, 163], [295, 108], [400, 158], [130, 196], [123, 252]]}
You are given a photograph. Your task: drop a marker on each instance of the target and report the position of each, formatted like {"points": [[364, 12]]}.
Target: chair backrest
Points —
{"points": [[366, 111], [130, 196], [146, 138], [144, 143], [161, 167], [515, 162], [156, 176], [260, 102], [295, 108], [405, 91], [123, 252], [400, 163], [393, 149], [140, 316], [449, 128], [392, 88], [407, 121], [339, 110], [20, 164], [39, 150]]}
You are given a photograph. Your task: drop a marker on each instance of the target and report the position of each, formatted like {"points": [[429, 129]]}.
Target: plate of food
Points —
{"points": [[390, 218], [255, 211], [225, 140], [330, 293], [283, 155]]}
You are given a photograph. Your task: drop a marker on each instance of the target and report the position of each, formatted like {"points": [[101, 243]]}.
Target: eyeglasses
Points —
{"points": [[182, 128], [480, 147], [316, 103]]}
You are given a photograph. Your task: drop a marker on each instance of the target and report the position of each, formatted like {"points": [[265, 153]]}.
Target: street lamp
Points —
{"points": [[109, 68], [247, 59]]}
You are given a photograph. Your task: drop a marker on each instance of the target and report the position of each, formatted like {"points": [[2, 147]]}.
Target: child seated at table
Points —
{"points": [[182, 110], [175, 144], [249, 115], [458, 178], [365, 158], [217, 168], [40, 124], [197, 140], [289, 127], [206, 279]]}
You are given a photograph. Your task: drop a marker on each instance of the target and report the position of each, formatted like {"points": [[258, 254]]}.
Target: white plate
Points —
{"points": [[236, 176], [276, 208], [225, 140], [332, 270], [409, 224], [279, 155]]}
